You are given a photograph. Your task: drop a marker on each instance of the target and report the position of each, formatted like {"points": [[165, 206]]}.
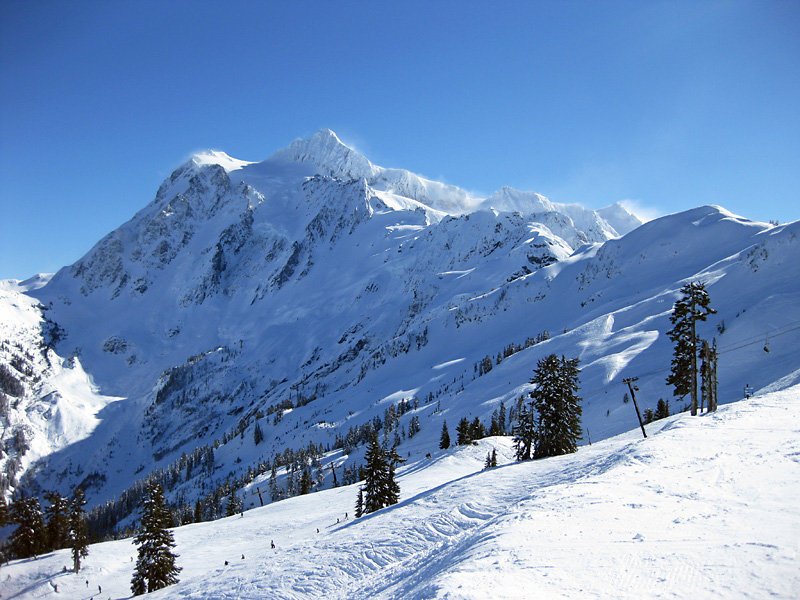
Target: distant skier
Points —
{"points": [[273, 544]]}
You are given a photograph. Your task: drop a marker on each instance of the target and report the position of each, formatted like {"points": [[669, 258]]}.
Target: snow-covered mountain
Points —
{"points": [[309, 294]]}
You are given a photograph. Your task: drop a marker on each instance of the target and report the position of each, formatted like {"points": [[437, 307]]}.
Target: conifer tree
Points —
{"points": [[524, 432], [557, 405], [691, 307], [360, 502], [78, 531], [57, 515], [258, 434], [380, 487], [444, 440], [30, 536], [476, 430], [305, 482], [234, 503], [662, 409], [3, 511], [708, 372], [463, 431], [155, 565]]}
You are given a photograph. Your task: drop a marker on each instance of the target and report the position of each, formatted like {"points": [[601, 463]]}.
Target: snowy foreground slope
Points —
{"points": [[705, 507]]}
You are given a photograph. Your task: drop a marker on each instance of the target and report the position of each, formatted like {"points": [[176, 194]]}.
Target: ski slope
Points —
{"points": [[705, 507]]}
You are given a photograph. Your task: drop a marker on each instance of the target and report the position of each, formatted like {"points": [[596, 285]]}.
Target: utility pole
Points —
{"points": [[632, 387], [260, 500]]}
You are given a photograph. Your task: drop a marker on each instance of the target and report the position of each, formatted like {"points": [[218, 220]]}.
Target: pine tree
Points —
{"points": [[444, 440], [155, 565], [258, 435], [78, 531], [476, 430], [463, 431], [3, 511], [305, 482], [494, 426], [557, 405], [57, 515], [688, 310], [494, 457], [380, 487], [30, 536], [662, 409], [708, 372], [234, 503], [360, 502], [524, 432]]}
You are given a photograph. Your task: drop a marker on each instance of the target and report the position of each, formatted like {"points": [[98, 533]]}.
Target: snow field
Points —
{"points": [[705, 507]]}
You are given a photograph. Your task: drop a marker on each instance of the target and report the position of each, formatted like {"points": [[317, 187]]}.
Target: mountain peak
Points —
{"points": [[325, 150], [217, 157]]}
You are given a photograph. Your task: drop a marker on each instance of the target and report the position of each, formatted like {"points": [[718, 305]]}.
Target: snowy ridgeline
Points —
{"points": [[705, 507]]}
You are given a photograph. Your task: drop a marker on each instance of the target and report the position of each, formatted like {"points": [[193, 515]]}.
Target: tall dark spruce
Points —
{"points": [[380, 488], [30, 536], [691, 307], [155, 565], [551, 423], [78, 530]]}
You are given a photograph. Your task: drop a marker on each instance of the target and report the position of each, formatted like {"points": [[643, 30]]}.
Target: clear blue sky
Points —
{"points": [[667, 104]]}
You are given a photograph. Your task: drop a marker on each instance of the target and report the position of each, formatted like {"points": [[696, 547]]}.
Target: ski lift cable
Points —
{"points": [[756, 341], [774, 331]]}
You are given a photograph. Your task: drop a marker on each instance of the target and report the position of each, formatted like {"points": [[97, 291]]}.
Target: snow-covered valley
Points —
{"points": [[705, 507]]}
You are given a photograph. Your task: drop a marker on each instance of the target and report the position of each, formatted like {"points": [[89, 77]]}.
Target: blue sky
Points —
{"points": [[668, 105]]}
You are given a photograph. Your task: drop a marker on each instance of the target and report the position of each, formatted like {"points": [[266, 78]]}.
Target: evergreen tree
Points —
{"points": [[524, 432], [494, 426], [258, 435], [155, 565], [234, 503], [57, 515], [380, 487], [463, 430], [3, 511], [78, 531], [444, 440], [305, 482], [708, 372], [662, 409], [494, 457], [30, 536], [557, 405], [691, 307], [413, 426], [360, 502], [476, 430]]}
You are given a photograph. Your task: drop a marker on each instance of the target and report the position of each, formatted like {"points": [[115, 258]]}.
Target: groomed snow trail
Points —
{"points": [[705, 507]]}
